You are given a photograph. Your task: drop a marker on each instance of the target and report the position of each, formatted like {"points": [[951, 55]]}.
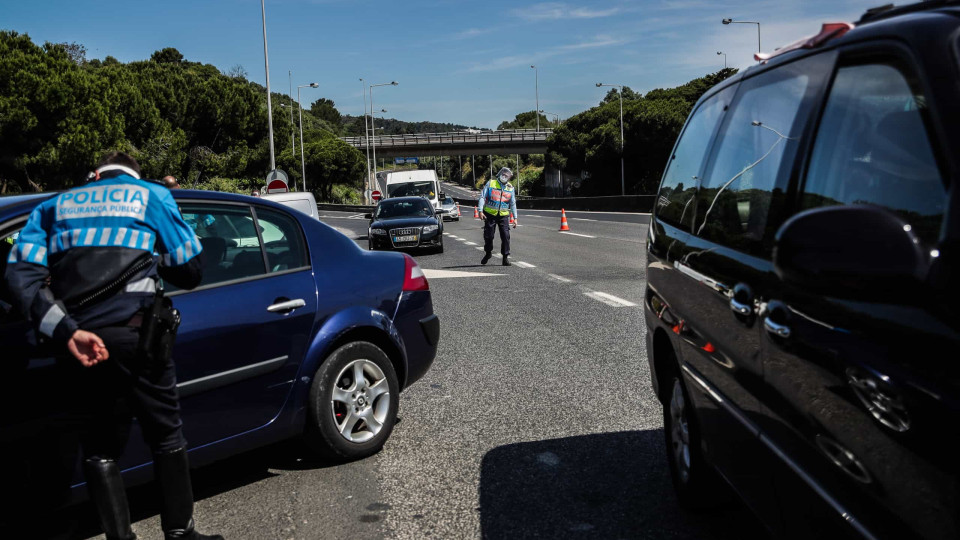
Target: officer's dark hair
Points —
{"points": [[119, 158]]}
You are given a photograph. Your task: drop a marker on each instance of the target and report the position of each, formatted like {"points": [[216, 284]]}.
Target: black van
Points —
{"points": [[803, 303]]}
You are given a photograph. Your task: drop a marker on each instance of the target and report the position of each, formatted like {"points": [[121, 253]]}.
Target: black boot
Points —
{"points": [[106, 491], [172, 472], [506, 260], [486, 258]]}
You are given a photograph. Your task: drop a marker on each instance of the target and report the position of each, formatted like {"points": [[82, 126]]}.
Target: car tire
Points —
{"points": [[346, 420], [694, 480]]}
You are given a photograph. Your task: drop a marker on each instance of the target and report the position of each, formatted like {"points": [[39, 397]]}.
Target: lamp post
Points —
{"points": [[372, 128], [555, 115], [293, 139], [623, 186], [537, 88], [266, 64], [366, 135], [724, 58], [731, 21], [303, 166]]}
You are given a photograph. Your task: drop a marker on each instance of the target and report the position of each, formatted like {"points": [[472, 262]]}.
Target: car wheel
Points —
{"points": [[693, 480], [353, 403]]}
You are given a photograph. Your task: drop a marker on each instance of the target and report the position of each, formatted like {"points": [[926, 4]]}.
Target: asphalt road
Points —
{"points": [[537, 419]]}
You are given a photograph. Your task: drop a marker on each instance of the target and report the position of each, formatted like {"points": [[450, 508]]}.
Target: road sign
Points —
{"points": [[277, 182], [376, 195], [403, 160]]}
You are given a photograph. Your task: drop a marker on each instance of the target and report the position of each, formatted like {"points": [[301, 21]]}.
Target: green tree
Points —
{"points": [[325, 110], [167, 55]]}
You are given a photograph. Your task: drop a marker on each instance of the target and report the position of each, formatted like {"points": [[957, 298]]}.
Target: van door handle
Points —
{"points": [[286, 305]]}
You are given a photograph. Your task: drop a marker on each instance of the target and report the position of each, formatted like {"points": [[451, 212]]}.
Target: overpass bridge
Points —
{"points": [[457, 143]]}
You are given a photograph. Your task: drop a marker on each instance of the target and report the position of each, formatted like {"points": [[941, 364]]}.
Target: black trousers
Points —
{"points": [[104, 398], [501, 223]]}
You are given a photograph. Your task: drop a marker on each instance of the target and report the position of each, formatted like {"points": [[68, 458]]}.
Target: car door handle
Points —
{"points": [[740, 308], [288, 305], [741, 298], [777, 329]]}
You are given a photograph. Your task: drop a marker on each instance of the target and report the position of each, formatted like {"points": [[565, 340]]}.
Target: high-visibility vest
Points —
{"points": [[498, 198]]}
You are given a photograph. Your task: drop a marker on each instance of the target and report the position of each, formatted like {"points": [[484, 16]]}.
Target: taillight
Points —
{"points": [[413, 278]]}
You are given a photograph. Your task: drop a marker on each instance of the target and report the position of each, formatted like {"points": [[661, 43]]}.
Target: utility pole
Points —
{"points": [[266, 63]]}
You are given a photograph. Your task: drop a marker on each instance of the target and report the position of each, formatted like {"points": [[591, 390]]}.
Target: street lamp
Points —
{"points": [[724, 58], [557, 116], [303, 166], [537, 87], [266, 63], [731, 21], [623, 188], [366, 134], [372, 128]]}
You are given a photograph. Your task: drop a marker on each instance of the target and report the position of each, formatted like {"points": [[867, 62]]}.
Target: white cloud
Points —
{"points": [[557, 10], [472, 32]]}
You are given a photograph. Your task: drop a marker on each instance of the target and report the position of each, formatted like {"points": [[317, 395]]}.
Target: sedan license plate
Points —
{"points": [[402, 239]]}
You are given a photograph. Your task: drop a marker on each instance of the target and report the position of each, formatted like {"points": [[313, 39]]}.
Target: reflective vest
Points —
{"points": [[498, 198]]}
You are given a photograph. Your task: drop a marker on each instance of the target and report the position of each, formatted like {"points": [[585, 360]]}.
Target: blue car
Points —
{"points": [[294, 331]]}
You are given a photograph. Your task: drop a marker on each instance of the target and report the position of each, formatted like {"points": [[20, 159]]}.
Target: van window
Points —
{"points": [[675, 201], [744, 178], [425, 188], [872, 148]]}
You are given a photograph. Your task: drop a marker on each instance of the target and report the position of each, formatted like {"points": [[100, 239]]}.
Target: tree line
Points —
{"points": [[59, 112]]}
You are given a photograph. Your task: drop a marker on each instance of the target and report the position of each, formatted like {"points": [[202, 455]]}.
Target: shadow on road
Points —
{"points": [[612, 485]]}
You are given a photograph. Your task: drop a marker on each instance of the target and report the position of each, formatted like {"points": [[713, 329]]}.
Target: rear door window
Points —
{"points": [[230, 239], [752, 158], [282, 240], [873, 148], [679, 186]]}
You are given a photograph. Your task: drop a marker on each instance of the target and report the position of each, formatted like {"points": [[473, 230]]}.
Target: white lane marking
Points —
{"points": [[441, 274], [471, 243], [479, 248], [522, 264], [575, 234], [609, 299], [356, 216], [582, 219], [560, 278], [497, 255], [452, 236], [528, 210]]}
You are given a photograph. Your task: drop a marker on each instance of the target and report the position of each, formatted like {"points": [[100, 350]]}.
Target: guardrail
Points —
{"points": [[612, 203], [456, 137]]}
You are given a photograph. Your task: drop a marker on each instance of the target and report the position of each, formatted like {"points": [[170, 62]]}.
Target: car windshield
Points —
{"points": [[448, 201], [412, 189], [403, 209]]}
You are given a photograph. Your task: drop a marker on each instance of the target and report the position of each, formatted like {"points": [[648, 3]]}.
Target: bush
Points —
{"points": [[345, 194]]}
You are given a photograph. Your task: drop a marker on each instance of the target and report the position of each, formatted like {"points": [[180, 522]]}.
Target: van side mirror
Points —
{"points": [[853, 252]]}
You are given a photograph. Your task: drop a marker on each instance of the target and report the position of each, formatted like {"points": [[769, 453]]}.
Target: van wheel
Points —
{"points": [[694, 481], [353, 403]]}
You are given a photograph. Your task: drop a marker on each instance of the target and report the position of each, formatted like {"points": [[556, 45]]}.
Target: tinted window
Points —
{"points": [[675, 203], [412, 189], [873, 148], [735, 198], [411, 208], [231, 245], [282, 240]]}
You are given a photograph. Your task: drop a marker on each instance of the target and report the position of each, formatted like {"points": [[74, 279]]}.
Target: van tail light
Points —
{"points": [[413, 278]]}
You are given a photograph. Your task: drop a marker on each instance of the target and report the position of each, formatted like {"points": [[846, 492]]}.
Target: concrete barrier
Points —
{"points": [[613, 203], [345, 207]]}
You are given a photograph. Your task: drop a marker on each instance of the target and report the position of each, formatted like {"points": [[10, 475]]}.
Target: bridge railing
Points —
{"points": [[456, 137]]}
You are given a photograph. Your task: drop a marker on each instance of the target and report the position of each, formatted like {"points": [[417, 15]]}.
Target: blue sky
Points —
{"points": [[456, 61]]}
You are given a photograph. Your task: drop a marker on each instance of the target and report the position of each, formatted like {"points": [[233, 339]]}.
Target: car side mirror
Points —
{"points": [[437, 212], [368, 216], [853, 252], [443, 196]]}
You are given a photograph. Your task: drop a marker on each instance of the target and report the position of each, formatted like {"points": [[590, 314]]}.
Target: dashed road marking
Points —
{"points": [[576, 234], [561, 278], [440, 274], [471, 243], [582, 219], [522, 264], [609, 299], [479, 248]]}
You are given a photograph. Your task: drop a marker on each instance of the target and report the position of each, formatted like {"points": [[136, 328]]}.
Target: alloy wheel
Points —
{"points": [[360, 401]]}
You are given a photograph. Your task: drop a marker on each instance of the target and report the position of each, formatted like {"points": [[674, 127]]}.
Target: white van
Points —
{"points": [[298, 200], [415, 183]]}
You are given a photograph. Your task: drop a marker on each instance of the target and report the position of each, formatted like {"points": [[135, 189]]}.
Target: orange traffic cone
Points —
{"points": [[476, 214], [458, 209], [563, 220]]}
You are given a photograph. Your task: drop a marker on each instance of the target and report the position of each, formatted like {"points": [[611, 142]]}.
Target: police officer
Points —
{"points": [[85, 273], [498, 200]]}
